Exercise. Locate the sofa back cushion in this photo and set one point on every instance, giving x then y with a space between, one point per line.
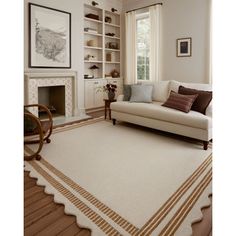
127 92
174 86
202 101
160 90
141 93
180 102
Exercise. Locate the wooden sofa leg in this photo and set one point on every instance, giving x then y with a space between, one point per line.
114 121
205 145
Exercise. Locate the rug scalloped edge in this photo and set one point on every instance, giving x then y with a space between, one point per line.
40 181
67 210
198 212
202 208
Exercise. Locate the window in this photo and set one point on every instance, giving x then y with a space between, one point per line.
143 45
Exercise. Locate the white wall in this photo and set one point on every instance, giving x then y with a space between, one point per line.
182 18
75 7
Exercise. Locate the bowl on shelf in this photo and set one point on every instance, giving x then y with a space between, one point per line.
92 43
108 19
112 45
115 73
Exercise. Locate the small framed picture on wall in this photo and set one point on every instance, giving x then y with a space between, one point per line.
184 47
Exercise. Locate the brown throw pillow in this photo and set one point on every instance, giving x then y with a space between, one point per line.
180 102
202 101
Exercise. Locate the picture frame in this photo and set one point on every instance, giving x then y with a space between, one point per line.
49 37
184 47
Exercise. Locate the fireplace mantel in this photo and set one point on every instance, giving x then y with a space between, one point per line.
34 80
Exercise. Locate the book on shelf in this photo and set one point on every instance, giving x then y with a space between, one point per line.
90 30
88 76
92 16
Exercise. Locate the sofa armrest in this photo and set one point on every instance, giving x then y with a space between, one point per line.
209 110
120 97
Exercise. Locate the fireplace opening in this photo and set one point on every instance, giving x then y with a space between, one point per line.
54 98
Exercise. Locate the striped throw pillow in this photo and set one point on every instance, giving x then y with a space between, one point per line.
202 101
180 102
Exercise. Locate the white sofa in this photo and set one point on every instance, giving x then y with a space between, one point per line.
153 115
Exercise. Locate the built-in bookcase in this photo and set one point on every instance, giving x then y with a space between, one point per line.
102 35
102 51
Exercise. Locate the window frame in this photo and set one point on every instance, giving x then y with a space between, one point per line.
140 16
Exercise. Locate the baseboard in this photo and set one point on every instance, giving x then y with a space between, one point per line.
94 109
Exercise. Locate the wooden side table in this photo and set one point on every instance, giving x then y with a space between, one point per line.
107 107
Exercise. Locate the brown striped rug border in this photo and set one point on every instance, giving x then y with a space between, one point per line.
77 125
185 208
156 219
72 123
127 226
88 212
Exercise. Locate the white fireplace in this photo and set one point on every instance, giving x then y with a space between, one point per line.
35 82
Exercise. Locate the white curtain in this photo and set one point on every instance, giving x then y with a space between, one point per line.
155 53
131 54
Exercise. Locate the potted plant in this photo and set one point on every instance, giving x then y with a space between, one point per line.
110 89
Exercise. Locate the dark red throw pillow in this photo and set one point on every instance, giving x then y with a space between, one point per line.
180 102
202 101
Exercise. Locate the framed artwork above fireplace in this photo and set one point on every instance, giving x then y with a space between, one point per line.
49 37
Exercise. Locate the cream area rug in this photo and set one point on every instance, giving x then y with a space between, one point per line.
124 180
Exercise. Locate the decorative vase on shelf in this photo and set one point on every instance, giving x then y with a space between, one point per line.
111 95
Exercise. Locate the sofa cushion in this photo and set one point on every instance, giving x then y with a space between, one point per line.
141 93
155 111
180 102
202 101
127 92
174 85
160 91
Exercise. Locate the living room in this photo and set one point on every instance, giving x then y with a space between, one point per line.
147 169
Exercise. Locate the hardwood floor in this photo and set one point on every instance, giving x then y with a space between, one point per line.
42 216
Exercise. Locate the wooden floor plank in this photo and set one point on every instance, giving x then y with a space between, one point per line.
29 184
26 175
57 226
83 233
28 179
30 192
37 205
36 215
44 222
39 216
73 229
35 198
